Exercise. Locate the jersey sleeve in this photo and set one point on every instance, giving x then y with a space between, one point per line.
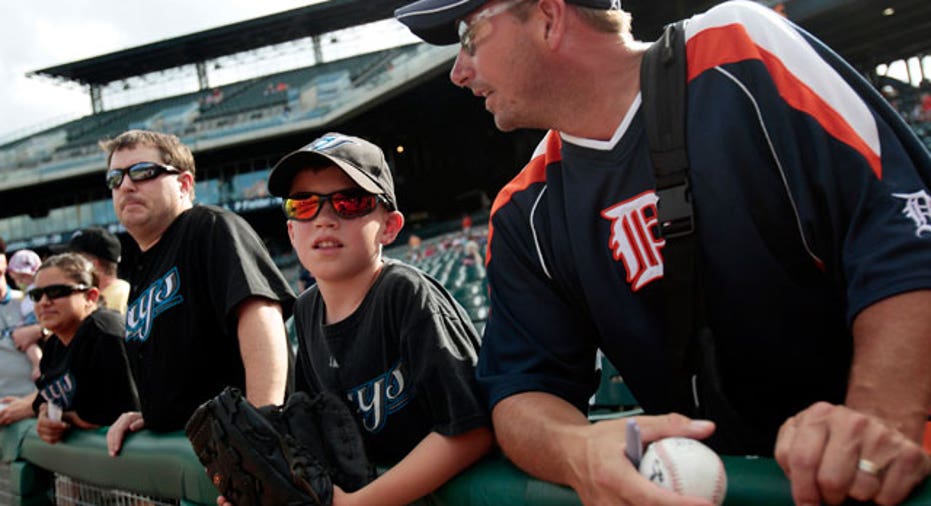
852 174
439 344
303 368
109 390
534 340
241 267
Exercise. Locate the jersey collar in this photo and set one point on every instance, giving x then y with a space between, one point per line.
609 144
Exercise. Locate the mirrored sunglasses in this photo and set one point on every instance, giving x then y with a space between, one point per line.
347 204
55 291
142 171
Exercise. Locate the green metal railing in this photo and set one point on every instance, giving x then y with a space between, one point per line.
164 466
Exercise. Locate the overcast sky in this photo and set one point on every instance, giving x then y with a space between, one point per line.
42 33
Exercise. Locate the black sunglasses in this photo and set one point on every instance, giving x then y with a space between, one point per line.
55 291
142 171
347 204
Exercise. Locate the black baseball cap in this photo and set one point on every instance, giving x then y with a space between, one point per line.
361 160
94 241
434 21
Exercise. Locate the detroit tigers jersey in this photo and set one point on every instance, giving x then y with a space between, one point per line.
809 204
404 361
181 322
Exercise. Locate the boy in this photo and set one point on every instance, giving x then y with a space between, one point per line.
379 333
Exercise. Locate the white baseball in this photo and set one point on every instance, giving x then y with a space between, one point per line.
687 467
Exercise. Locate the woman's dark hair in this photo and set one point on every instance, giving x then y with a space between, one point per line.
74 266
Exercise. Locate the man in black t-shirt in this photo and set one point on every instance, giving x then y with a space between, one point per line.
207 303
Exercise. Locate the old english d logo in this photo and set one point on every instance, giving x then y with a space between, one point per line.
918 209
635 238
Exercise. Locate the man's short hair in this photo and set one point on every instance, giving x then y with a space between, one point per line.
172 150
608 21
104 266
602 20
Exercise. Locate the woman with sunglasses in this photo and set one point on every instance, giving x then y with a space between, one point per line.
85 380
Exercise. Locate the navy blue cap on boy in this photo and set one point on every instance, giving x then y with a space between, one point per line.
434 21
361 160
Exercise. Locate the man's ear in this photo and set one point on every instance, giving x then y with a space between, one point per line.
187 182
553 14
394 222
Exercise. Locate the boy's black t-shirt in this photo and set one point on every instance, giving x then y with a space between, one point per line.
91 374
404 361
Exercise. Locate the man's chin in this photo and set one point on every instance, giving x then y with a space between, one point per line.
131 219
504 124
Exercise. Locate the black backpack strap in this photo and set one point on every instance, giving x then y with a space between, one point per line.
696 388
663 91
662 88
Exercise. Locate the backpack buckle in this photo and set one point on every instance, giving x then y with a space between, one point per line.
674 210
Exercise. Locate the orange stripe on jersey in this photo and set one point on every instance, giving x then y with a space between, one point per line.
731 43
533 172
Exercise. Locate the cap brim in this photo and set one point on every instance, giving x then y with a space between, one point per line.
434 21
279 181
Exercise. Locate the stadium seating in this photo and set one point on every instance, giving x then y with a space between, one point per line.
244 101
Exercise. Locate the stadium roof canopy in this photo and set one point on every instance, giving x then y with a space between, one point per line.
858 29
868 32
316 19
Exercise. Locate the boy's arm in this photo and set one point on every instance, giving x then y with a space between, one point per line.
27 335
433 462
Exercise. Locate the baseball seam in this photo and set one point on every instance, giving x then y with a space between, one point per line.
670 465
719 485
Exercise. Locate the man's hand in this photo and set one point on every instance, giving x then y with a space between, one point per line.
127 422
49 430
610 478
18 408
830 453
552 440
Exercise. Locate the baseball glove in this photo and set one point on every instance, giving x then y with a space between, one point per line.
249 461
327 430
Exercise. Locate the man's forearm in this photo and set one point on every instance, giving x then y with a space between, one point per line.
263 345
890 377
538 432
